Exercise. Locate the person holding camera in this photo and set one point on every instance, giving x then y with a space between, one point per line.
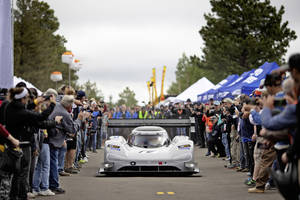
18 121
57 137
267 153
288 182
40 173
198 113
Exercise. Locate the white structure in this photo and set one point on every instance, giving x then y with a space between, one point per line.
201 86
29 85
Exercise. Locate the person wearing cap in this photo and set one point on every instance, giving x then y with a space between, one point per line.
58 136
41 163
80 97
268 156
293 152
17 120
74 146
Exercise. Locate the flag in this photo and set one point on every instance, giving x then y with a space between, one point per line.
6 45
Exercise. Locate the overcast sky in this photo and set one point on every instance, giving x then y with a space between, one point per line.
119 42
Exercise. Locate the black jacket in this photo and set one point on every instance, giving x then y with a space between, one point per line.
182 115
293 151
19 119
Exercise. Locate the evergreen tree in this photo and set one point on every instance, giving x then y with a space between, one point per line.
91 90
187 73
127 97
241 35
37 49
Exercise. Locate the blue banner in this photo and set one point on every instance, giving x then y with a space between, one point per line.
6 45
254 82
248 82
204 97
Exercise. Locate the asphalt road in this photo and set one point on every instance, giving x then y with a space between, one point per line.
214 182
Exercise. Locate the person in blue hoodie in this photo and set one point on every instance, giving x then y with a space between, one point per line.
247 130
287 119
117 113
94 127
124 113
268 154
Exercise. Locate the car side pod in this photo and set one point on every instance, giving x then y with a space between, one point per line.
192 166
106 167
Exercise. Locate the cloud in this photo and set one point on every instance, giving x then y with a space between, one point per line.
119 42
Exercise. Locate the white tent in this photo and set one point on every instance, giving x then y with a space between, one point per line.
166 102
29 85
201 86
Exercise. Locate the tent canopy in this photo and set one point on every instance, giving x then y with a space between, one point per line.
228 90
201 86
267 69
29 85
249 81
212 92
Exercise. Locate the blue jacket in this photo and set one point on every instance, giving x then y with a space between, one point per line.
135 115
247 129
256 117
286 119
116 115
94 120
127 115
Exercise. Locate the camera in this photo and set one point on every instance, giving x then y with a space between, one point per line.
3 93
254 102
273 80
280 102
47 97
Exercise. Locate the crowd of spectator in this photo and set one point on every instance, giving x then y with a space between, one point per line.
54 132
260 132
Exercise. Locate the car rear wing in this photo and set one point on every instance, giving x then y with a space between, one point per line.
124 127
132 123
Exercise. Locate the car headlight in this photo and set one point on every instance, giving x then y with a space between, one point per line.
189 165
108 165
186 146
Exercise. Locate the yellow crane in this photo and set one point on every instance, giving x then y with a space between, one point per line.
152 85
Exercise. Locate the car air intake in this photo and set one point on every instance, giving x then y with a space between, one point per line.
148 169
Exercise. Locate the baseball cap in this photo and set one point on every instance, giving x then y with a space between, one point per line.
51 91
80 94
216 103
228 100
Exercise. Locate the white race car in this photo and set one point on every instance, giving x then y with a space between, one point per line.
149 150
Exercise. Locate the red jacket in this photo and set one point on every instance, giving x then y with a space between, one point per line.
3 131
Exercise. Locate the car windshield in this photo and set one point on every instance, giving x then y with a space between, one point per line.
147 141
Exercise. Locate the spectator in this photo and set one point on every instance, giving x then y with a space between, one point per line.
17 118
57 137
40 182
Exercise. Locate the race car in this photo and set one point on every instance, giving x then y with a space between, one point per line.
149 149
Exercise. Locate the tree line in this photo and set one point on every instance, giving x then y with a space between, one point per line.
239 35
38 49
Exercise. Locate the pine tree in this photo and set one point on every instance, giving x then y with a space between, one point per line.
127 97
37 49
241 35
